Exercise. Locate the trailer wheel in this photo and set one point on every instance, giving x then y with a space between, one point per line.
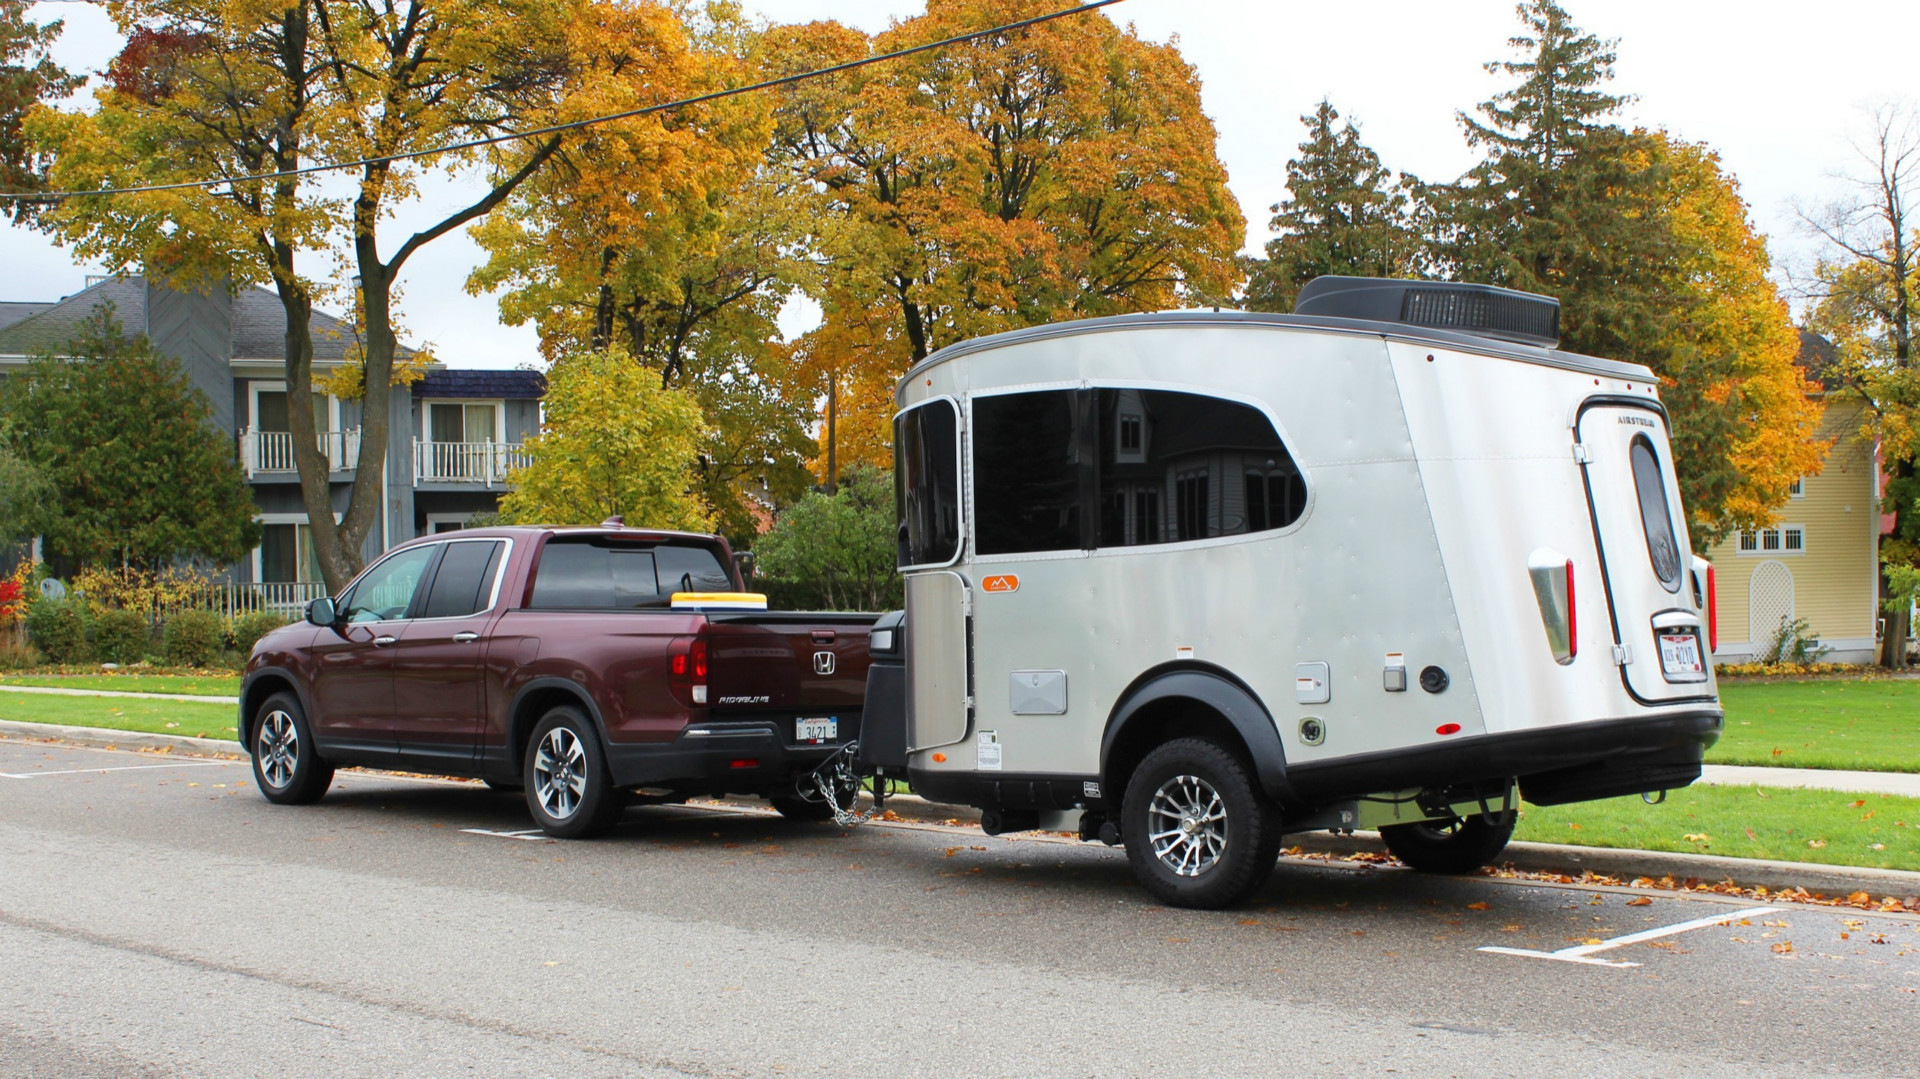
1197 829
1459 846
569 790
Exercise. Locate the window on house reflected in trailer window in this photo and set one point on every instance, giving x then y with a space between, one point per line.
1027 460
1075 469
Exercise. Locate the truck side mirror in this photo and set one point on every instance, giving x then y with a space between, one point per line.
321 612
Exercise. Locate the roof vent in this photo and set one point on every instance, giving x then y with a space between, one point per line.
1442 305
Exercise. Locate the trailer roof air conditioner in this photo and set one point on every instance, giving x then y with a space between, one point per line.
1442 305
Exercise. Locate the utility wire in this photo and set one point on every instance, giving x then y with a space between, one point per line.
555 129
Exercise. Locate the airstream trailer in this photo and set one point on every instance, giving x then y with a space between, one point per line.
1189 582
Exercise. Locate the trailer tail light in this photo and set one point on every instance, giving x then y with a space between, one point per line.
1713 612
1552 576
687 669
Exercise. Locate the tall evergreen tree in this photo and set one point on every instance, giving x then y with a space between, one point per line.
1649 249
1344 214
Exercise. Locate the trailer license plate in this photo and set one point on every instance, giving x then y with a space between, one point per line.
816 730
1680 654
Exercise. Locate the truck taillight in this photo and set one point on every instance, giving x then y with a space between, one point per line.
687 669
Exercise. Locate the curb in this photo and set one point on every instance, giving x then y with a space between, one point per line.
109 738
1624 863
1526 857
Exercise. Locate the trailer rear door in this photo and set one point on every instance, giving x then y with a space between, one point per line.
1640 532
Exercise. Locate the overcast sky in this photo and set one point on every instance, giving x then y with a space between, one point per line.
1777 89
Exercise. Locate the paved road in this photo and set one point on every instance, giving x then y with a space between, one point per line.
157 917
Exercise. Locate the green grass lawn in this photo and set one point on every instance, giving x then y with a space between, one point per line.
1743 822
212 685
122 713
1869 725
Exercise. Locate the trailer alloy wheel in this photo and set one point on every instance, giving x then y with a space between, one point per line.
1456 846
569 791
286 764
1198 830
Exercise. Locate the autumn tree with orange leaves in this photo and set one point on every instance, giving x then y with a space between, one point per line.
1061 171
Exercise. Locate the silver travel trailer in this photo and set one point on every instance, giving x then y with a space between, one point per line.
1191 581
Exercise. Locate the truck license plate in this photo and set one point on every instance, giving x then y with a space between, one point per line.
1680 654
816 730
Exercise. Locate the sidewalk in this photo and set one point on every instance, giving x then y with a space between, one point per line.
62 692
1906 784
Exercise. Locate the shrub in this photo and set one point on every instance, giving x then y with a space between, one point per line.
19 656
58 627
249 628
193 638
122 636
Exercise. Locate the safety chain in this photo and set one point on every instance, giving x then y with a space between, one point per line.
835 771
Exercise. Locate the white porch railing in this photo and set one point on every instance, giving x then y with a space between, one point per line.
466 462
272 451
282 597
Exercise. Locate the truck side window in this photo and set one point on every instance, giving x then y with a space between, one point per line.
1027 455
1655 518
1180 466
927 483
386 592
463 583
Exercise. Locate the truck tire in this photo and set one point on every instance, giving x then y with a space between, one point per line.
1199 832
1461 846
569 791
286 764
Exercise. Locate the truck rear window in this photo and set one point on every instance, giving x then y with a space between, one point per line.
595 573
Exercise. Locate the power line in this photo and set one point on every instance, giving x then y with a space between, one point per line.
555 129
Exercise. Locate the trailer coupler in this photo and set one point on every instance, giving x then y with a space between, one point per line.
836 780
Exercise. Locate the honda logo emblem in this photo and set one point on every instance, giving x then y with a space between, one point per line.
823 663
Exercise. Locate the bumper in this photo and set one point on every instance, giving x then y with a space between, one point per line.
713 756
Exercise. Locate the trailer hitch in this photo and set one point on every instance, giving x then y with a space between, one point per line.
835 775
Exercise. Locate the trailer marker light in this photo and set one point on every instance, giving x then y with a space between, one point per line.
746 762
939 758
1447 728
1713 612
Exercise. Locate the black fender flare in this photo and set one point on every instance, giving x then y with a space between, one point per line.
553 682
244 728
1219 691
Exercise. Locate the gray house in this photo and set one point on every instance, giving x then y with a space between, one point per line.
454 436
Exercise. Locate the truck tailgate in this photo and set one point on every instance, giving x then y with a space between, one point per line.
787 664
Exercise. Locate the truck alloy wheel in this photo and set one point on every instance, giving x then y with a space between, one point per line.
286 765
1198 832
569 791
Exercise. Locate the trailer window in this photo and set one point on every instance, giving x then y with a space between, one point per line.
1212 467
926 484
1027 461
1655 519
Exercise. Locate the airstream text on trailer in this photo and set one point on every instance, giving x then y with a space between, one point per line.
1193 581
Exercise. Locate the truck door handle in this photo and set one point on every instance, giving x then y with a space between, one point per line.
465 638
382 642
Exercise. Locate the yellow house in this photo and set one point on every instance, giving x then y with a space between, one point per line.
1819 562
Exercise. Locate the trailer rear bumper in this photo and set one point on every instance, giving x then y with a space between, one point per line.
1573 762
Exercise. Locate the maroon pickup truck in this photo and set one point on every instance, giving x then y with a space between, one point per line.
594 668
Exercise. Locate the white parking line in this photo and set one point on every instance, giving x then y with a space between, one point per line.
115 768
533 834
1580 952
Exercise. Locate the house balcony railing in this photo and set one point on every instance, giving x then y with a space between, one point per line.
289 598
272 451
466 462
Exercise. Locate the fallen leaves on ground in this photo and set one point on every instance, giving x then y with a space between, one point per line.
1640 901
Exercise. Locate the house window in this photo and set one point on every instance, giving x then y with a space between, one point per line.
1190 496
1785 539
464 421
271 411
1798 489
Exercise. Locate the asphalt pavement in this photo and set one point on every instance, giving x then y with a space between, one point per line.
159 918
